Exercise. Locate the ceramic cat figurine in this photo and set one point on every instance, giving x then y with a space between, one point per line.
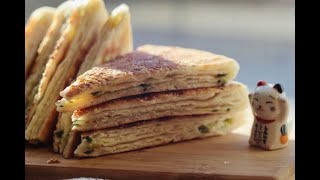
270 108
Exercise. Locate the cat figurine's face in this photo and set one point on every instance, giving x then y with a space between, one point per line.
265 100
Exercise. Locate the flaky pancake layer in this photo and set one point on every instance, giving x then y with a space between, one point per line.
147 71
35 29
76 40
157 132
115 38
61 133
45 49
215 100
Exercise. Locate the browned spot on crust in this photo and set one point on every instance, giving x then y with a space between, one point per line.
126 65
147 60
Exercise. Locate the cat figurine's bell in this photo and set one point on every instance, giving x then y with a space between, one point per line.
270 109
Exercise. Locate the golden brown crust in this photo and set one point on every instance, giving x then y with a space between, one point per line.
120 67
145 62
184 56
115 38
88 13
36 28
46 47
48 121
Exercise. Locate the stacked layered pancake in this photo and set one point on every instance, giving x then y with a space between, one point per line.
115 38
152 96
61 44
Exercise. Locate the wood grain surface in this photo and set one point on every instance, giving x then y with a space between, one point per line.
225 157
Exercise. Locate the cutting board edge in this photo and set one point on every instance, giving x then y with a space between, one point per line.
55 172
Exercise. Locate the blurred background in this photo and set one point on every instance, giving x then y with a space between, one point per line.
259 34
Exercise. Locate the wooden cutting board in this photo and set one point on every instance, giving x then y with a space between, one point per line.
225 157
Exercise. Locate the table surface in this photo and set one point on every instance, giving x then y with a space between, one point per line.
228 157
224 157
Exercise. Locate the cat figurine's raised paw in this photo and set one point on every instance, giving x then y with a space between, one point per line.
270 109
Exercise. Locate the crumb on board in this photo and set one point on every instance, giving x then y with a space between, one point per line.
52 160
226 162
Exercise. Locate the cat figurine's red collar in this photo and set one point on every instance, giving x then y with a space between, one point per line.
264 121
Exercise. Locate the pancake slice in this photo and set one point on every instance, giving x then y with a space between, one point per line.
157 132
35 29
73 141
115 38
61 133
216 100
78 37
45 49
142 72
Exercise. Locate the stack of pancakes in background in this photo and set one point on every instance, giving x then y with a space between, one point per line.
153 96
60 44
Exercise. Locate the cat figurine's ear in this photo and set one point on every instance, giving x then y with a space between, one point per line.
278 87
262 83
